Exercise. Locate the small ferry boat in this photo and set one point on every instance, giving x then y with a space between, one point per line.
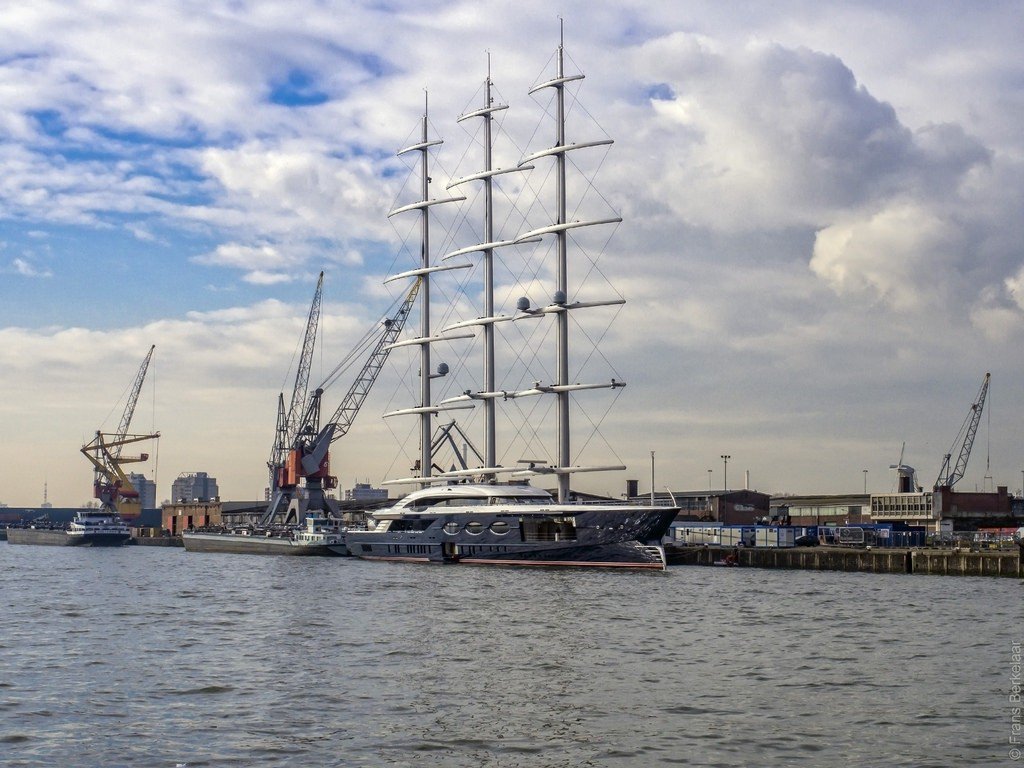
89 528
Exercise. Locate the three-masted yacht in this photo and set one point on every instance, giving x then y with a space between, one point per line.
473 516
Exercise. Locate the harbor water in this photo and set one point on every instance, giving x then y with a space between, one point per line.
141 656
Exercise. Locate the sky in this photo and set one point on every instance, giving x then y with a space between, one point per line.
820 248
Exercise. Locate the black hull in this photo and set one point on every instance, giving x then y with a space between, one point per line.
624 555
603 540
61 538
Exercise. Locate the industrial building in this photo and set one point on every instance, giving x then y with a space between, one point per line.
940 511
366 492
837 509
740 507
178 516
194 486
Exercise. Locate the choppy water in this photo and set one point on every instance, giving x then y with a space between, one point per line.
157 657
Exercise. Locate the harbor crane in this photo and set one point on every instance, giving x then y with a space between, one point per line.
287 421
948 478
111 485
304 449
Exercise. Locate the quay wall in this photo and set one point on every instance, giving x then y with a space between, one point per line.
156 541
935 562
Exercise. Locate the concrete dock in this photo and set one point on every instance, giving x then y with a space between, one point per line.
156 541
944 562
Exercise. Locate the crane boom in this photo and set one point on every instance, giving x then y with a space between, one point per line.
969 429
110 483
298 404
346 412
287 425
133 398
305 455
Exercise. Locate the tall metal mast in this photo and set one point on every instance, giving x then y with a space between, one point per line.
425 410
561 289
490 436
425 416
560 306
486 249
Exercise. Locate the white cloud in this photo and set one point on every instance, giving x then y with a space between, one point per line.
26 269
247 257
1015 285
212 383
819 226
260 277
898 255
300 190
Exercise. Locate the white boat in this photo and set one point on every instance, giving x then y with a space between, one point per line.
89 528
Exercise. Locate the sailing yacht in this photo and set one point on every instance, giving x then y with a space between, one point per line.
471 516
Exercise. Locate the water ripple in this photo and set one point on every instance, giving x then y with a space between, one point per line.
250 664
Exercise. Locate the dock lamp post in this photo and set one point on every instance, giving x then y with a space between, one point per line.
725 471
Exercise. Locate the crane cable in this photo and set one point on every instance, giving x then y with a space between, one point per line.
356 353
152 431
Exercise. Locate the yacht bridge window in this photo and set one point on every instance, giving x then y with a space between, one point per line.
410 524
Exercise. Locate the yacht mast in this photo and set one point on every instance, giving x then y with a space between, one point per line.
561 288
425 410
490 436
425 416
487 247
560 306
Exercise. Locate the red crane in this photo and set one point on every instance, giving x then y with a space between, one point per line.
306 447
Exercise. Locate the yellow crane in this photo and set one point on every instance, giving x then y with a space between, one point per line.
110 483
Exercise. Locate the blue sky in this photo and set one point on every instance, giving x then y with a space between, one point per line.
821 246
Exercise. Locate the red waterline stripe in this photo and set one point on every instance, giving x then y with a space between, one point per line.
583 563
476 561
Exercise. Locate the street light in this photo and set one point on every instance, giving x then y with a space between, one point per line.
865 481
725 471
709 482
